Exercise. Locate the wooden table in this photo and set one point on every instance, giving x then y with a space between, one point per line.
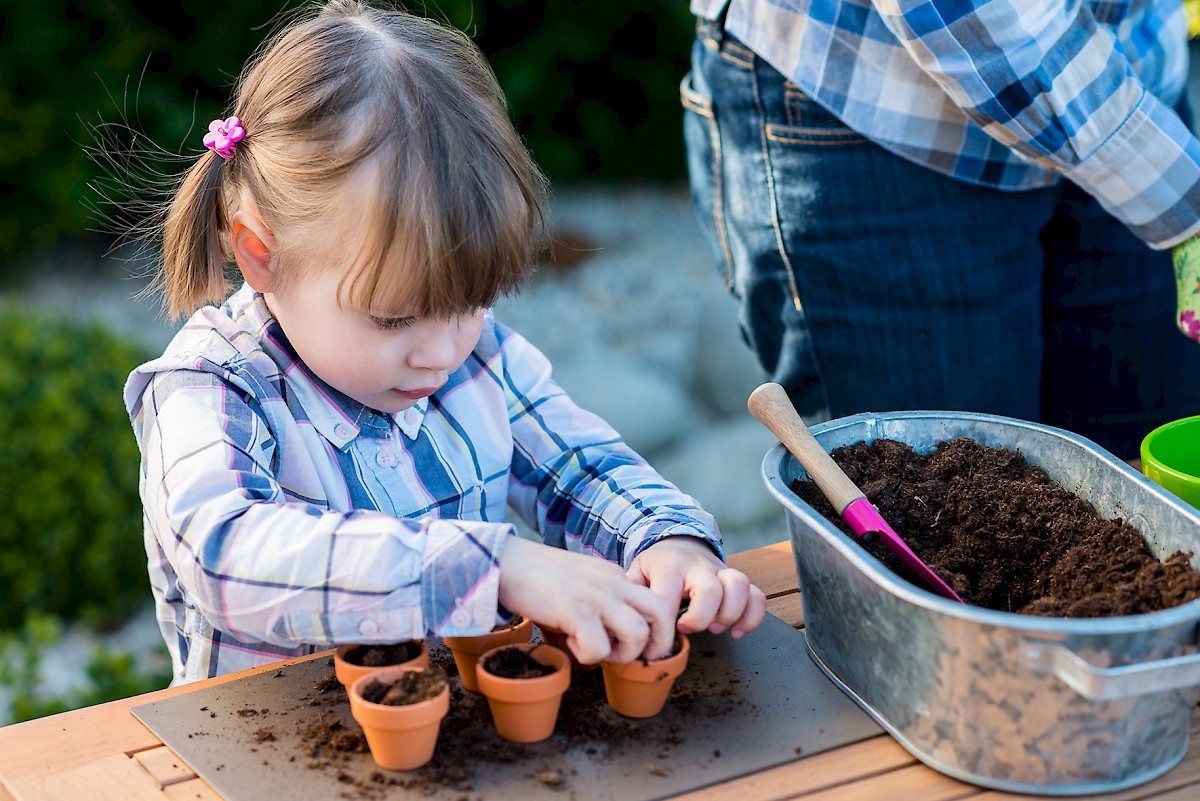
102 753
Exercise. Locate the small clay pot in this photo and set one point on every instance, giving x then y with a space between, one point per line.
348 672
639 689
526 710
467 650
401 737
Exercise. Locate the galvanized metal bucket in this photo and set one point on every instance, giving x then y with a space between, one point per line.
1053 706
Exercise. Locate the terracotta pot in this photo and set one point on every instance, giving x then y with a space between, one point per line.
466 650
639 689
526 710
400 737
348 672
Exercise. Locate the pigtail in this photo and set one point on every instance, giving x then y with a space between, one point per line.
194 234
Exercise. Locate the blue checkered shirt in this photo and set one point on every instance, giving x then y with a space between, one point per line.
282 517
1010 94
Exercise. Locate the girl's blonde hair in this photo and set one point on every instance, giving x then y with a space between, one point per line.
409 110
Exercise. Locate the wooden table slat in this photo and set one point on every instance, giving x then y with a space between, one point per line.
818 772
914 783
112 777
787 608
772 574
164 766
194 790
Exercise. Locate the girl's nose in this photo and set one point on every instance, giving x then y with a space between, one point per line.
436 347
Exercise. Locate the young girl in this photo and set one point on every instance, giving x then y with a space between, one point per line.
327 456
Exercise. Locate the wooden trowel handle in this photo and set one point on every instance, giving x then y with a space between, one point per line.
771 405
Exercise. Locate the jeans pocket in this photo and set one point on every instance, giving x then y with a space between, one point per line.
809 123
705 176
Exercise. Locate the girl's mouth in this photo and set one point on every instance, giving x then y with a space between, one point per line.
417 394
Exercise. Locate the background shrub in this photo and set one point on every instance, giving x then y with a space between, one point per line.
70 535
593 87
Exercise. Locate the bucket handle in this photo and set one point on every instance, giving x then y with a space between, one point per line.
1106 684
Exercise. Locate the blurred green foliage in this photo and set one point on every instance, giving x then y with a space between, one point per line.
592 87
109 674
70 535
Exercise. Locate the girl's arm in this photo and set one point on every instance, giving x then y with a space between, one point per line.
575 480
265 564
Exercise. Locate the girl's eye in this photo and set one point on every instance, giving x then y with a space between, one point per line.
389 323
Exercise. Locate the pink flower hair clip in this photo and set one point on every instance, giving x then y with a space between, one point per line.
223 136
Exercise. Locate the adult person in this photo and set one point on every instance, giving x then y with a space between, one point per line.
953 205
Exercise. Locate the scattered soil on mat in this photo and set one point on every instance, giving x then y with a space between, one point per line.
587 729
383 655
1003 535
513 663
412 688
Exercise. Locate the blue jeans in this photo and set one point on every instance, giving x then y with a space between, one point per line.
866 282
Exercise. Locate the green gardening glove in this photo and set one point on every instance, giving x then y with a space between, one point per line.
1186 256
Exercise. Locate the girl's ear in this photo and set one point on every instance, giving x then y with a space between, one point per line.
253 247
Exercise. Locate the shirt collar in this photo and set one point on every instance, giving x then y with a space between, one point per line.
338 417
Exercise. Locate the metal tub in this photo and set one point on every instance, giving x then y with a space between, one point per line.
1055 706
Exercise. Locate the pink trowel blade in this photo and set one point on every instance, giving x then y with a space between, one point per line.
770 404
862 517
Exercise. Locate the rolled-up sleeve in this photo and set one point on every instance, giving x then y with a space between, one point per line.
1050 82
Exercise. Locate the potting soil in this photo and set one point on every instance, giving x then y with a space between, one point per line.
1003 535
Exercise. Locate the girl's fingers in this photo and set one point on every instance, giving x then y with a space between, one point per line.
735 593
628 632
752 616
590 642
659 615
704 601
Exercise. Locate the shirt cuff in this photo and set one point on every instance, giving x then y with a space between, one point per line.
460 576
1147 175
656 530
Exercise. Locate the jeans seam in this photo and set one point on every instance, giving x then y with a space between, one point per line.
813 136
770 176
718 165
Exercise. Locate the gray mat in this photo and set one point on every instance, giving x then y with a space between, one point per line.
740 707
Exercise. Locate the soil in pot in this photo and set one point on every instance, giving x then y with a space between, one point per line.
524 685
413 687
352 662
1003 535
467 650
515 663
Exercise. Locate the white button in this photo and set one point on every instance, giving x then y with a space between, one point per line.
386 459
412 415
460 618
343 430
368 628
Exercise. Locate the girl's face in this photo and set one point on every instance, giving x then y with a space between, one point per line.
387 364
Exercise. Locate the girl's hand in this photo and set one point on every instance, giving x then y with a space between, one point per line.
719 598
603 613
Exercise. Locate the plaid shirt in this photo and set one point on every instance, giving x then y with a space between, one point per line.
282 517
1010 94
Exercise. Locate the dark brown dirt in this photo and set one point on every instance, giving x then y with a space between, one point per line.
513 663
1003 536
383 655
411 688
